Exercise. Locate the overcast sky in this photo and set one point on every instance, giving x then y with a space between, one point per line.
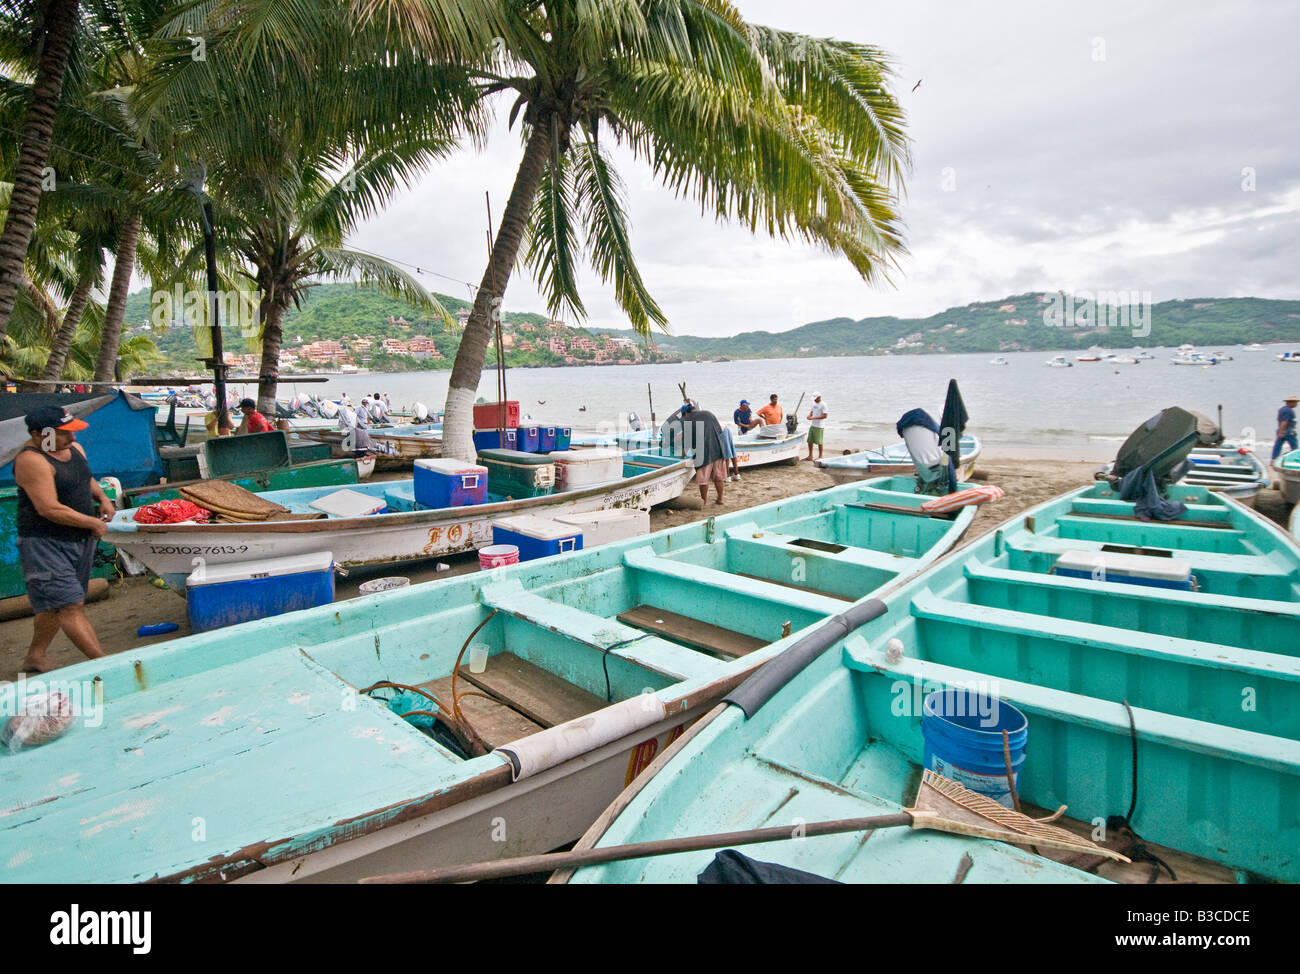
1096 146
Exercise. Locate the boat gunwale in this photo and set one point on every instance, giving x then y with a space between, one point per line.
394 518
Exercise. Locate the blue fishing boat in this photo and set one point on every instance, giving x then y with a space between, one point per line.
337 742
1157 664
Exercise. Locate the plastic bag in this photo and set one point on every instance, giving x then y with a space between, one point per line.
171 512
41 718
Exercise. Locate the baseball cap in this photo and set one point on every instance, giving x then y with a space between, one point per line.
54 416
817 395
744 402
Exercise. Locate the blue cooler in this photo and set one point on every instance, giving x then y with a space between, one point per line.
547 439
563 437
223 595
529 437
1113 566
496 440
449 483
536 537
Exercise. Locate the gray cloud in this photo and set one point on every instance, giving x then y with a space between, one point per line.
1124 172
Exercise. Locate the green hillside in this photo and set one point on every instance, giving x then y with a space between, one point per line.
342 312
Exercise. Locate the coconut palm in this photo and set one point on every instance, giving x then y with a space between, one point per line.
41 33
794 135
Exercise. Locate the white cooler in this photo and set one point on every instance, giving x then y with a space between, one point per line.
583 468
602 527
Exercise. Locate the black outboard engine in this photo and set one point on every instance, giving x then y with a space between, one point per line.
1161 444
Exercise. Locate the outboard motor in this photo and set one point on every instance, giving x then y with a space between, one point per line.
1161 445
634 422
421 412
920 433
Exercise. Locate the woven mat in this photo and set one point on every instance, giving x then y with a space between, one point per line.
231 501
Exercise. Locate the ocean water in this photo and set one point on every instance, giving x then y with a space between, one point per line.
1023 408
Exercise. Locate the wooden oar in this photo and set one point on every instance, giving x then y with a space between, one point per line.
941 805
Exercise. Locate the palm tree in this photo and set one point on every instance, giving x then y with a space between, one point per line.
55 24
795 135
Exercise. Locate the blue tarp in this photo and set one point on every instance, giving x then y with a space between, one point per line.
121 440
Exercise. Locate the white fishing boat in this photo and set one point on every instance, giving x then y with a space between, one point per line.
405 532
1193 357
1289 356
999 361
894 460
1120 360
1230 470
1060 362
1254 347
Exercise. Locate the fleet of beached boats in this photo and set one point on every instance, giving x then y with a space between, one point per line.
1114 638
287 734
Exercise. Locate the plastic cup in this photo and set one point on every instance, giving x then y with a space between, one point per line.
478 657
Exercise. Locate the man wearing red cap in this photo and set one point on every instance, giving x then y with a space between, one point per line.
57 531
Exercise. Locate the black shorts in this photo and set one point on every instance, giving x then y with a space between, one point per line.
57 572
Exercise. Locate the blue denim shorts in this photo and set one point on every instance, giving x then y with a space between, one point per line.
57 572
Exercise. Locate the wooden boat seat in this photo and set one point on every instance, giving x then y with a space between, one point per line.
1191 537
1264 610
744 536
599 633
691 632
494 722
1195 513
537 693
1166 673
645 560
1252 566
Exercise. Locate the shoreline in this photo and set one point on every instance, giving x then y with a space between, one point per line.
134 601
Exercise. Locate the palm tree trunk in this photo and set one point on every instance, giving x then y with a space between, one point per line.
118 292
458 420
38 130
71 320
269 374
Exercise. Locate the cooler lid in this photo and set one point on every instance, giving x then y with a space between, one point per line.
514 456
592 455
450 467
1130 566
242 571
541 528
599 517
348 503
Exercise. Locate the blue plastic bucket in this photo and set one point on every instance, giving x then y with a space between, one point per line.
963 740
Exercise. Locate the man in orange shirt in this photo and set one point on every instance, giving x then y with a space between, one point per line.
772 414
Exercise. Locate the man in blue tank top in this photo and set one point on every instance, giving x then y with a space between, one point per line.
58 528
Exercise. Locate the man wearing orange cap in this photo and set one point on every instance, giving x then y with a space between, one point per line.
57 530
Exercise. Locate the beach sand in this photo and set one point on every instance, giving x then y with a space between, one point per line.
136 602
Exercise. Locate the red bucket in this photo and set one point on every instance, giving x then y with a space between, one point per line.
494 556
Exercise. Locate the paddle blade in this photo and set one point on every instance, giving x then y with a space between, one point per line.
946 806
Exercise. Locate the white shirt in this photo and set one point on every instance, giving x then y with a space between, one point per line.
818 415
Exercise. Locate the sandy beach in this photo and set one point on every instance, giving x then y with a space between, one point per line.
136 602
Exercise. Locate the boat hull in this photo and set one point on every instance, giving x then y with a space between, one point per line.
172 550
1288 472
878 463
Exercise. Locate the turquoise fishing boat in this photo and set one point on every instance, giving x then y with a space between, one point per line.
1157 708
266 752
